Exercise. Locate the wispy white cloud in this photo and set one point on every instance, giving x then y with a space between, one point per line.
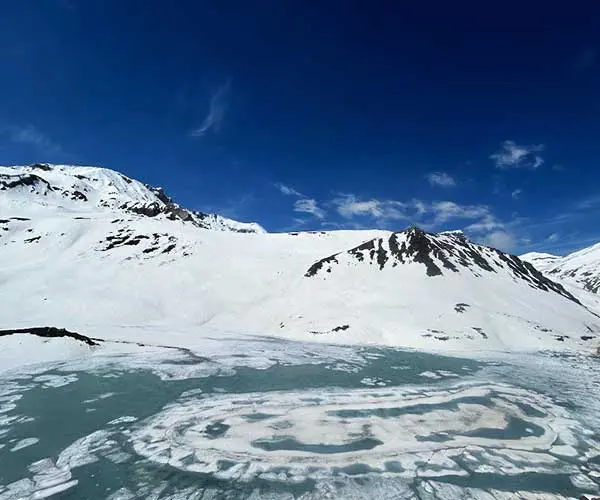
553 238
443 211
512 155
502 240
429 215
287 190
309 206
487 223
30 136
350 206
219 103
587 203
440 179
516 194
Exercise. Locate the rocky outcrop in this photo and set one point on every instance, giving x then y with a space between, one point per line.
51 332
26 180
439 254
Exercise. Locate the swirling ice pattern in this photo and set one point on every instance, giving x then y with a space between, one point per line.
292 436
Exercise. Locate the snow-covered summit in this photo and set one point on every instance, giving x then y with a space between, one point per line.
581 267
437 254
95 252
93 189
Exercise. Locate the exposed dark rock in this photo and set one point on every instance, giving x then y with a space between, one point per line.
461 307
126 179
78 195
340 328
12 181
41 166
169 248
175 212
51 332
452 252
592 284
20 218
148 209
480 331
317 266
160 194
333 330
32 240
587 337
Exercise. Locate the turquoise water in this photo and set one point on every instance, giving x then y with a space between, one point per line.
380 423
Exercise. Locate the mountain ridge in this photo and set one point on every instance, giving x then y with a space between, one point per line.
581 268
140 276
69 186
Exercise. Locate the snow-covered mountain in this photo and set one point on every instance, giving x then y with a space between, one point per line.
93 189
92 251
581 267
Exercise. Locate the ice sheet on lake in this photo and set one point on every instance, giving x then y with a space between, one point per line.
24 443
48 480
55 380
290 436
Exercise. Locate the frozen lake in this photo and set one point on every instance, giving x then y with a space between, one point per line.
282 420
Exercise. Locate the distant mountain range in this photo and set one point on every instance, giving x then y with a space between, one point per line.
581 268
91 250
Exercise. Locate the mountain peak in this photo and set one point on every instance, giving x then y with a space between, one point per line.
438 255
97 189
581 268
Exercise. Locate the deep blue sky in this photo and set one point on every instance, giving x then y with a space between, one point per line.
346 106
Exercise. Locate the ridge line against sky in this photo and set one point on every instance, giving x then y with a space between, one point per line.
337 115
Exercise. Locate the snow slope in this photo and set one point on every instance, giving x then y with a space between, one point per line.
540 260
126 263
578 272
92 189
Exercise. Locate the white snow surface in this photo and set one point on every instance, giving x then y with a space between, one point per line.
95 267
581 268
85 190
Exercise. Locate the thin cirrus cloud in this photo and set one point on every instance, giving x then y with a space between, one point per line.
303 204
516 194
288 190
486 224
349 206
502 240
588 203
512 155
217 109
309 206
485 227
427 214
29 135
441 179
358 212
